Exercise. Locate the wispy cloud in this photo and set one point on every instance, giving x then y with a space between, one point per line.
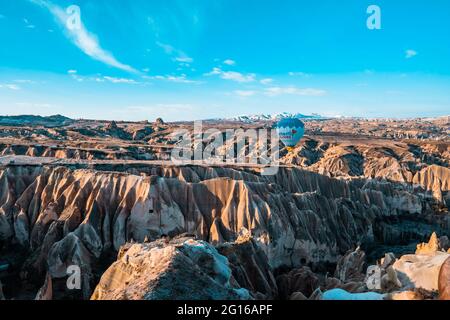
172 78
232 75
99 78
266 81
229 62
410 53
245 93
10 86
276 91
299 74
25 81
178 55
82 38
28 24
184 59
120 80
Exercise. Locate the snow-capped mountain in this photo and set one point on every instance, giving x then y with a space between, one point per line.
274 117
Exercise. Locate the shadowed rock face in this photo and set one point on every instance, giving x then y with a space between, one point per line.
250 267
296 217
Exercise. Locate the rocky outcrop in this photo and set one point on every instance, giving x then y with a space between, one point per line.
33 120
46 291
183 269
341 161
420 271
437 180
250 266
67 216
350 266
444 281
298 281
419 165
432 246
79 153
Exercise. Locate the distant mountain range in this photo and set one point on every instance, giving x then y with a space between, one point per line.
274 117
33 120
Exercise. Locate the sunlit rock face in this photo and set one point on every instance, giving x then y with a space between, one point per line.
444 280
420 270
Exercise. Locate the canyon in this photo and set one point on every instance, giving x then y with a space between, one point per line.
104 196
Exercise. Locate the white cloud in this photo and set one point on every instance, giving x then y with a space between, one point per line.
410 53
238 77
215 71
171 78
232 75
99 78
266 81
229 62
185 60
25 81
28 24
245 93
298 74
10 86
119 80
82 38
276 91
180 56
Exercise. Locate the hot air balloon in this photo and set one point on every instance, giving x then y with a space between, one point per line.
290 131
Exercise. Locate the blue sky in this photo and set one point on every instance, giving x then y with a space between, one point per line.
196 59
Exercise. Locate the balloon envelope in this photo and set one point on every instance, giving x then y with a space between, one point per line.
290 131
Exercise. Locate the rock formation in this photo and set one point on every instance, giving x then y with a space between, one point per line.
432 246
46 291
77 193
296 217
298 281
420 271
250 267
444 280
181 269
350 266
